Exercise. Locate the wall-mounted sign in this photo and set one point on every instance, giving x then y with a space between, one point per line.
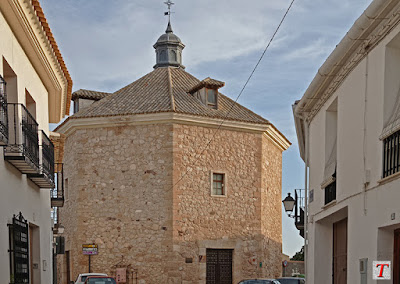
89 249
121 275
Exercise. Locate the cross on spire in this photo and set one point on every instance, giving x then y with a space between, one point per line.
169 3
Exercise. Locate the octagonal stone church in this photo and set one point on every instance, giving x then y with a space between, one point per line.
162 203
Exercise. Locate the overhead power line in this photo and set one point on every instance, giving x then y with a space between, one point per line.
240 93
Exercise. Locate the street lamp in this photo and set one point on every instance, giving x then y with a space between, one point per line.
288 203
294 204
60 229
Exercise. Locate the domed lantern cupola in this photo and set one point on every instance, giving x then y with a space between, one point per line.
169 47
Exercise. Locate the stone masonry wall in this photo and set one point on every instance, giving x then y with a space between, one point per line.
271 217
119 181
127 194
203 221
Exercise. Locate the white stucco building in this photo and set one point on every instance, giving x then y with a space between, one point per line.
348 127
35 89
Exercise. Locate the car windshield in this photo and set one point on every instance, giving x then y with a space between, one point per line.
100 280
256 282
291 281
84 277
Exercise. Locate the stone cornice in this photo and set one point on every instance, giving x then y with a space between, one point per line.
71 125
31 35
277 138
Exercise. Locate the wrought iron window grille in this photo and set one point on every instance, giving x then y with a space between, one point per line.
19 250
391 154
330 192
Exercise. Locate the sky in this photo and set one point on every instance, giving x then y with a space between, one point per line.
109 44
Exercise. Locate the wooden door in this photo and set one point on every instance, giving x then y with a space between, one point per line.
68 260
396 257
219 266
340 252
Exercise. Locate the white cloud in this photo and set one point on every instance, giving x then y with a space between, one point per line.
314 50
108 44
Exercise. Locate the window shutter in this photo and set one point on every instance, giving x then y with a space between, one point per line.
330 165
392 124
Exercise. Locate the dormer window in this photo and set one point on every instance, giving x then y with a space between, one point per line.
212 98
206 92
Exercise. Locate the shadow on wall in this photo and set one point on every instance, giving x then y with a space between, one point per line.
187 261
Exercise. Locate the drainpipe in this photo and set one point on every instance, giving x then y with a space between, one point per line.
306 162
302 119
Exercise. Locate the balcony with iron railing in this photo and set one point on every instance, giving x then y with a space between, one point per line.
45 178
22 150
57 193
3 113
299 211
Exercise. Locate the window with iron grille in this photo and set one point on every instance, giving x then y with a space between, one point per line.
218 184
19 250
391 154
330 192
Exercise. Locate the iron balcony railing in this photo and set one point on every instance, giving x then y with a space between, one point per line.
57 193
3 113
23 141
299 210
47 164
45 178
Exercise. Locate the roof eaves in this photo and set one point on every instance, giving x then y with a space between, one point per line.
43 21
89 94
355 45
207 82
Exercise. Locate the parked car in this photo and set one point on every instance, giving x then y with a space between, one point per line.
82 277
291 280
259 281
100 280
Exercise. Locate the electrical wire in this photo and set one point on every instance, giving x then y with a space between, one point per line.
240 93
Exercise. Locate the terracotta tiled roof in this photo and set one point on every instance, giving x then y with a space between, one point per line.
165 90
50 37
88 94
207 82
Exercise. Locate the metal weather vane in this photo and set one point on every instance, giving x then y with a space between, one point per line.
169 3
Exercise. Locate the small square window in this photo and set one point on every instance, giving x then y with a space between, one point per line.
218 184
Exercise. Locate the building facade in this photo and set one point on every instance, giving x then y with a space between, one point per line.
161 201
35 89
348 131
